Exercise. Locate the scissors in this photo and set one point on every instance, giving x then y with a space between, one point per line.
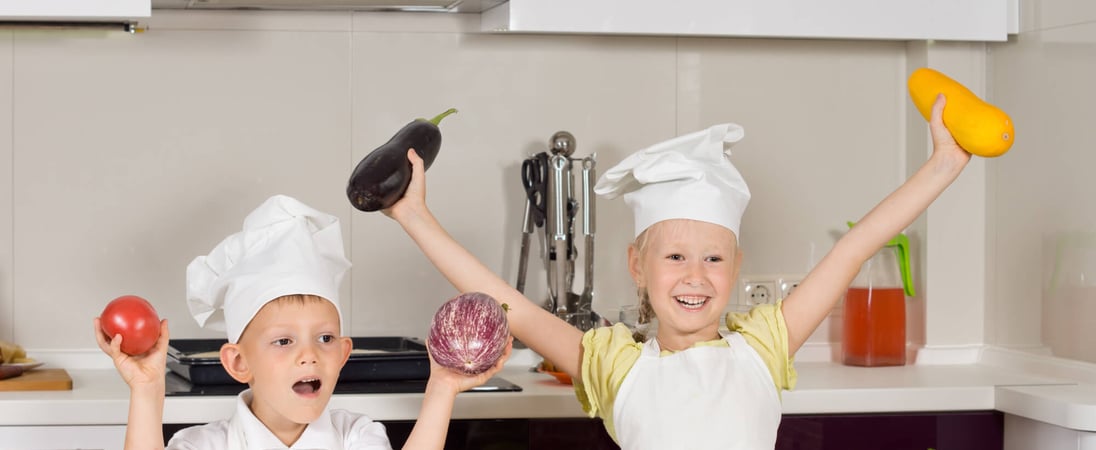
534 177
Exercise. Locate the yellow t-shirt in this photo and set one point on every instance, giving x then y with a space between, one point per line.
610 352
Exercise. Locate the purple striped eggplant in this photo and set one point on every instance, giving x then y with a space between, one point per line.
469 333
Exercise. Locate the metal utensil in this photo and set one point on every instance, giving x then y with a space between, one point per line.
523 259
588 225
557 230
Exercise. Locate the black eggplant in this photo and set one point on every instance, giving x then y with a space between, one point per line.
381 178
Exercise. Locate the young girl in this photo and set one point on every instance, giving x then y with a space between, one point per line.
273 287
689 387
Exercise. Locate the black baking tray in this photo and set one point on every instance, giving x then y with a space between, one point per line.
178 387
376 358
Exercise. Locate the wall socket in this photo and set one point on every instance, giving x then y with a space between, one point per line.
787 285
759 291
762 289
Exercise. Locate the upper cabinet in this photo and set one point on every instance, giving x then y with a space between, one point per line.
952 20
62 11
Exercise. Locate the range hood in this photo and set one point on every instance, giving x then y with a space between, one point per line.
457 6
123 14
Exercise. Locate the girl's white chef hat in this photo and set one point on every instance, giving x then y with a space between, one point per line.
285 248
687 177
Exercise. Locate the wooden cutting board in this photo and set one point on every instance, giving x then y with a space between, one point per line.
39 380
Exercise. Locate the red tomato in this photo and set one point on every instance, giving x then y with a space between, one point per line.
135 319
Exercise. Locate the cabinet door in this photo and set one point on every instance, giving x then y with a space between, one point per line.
554 434
60 437
980 430
515 434
482 434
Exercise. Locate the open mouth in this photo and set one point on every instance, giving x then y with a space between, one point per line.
691 302
307 386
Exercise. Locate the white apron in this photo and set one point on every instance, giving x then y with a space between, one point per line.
697 399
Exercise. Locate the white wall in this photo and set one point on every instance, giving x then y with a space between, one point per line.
130 155
7 261
1043 191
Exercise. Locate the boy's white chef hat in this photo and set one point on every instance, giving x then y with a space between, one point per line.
285 247
687 177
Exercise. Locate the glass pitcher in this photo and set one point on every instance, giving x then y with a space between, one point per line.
1069 295
875 308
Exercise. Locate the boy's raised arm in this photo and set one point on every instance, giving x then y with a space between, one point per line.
546 334
437 404
145 376
820 290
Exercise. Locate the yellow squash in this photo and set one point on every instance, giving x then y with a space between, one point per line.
978 127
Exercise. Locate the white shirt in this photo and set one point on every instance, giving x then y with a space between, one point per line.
334 429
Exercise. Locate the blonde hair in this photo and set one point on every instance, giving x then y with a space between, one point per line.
299 299
646 311
293 299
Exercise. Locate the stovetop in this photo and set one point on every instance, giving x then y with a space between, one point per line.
179 386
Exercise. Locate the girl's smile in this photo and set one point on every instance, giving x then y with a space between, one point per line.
692 302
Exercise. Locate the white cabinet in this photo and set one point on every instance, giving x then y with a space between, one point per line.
1026 434
961 20
62 437
64 10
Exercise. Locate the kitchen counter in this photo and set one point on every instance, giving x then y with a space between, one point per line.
99 397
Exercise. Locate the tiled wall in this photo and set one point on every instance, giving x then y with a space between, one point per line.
1044 194
131 155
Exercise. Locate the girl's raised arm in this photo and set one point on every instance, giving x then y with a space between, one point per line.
548 335
820 290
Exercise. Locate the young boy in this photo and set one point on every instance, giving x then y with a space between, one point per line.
273 287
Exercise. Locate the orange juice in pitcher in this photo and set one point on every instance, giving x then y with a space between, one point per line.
874 330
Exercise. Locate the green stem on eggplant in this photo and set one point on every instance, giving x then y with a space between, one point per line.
437 119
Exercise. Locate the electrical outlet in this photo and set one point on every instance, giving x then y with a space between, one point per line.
786 284
759 291
771 288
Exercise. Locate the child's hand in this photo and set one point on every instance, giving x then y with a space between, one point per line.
146 370
455 381
942 141
414 199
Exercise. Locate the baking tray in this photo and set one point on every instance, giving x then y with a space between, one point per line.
178 387
376 358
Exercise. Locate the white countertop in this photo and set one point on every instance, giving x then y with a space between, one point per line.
99 397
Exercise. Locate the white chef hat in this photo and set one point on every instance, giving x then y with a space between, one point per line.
687 177
285 248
